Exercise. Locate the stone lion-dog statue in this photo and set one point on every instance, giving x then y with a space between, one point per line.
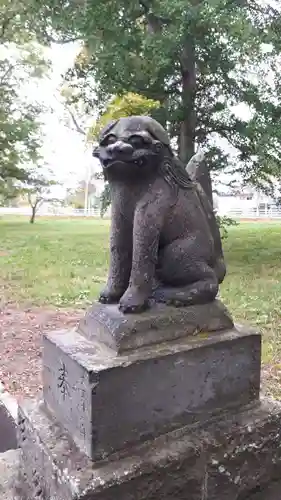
165 243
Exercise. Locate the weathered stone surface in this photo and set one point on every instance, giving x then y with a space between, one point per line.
9 462
8 440
224 460
107 324
269 492
9 454
108 401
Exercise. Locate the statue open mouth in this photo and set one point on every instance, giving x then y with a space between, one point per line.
110 162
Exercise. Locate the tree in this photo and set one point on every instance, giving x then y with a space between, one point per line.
121 106
16 22
38 190
77 197
199 58
21 61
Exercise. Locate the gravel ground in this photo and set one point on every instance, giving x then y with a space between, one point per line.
20 345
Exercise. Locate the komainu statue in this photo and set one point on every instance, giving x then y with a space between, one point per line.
165 243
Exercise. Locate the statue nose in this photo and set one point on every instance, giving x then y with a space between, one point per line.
120 147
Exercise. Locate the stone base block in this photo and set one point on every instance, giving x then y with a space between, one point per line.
231 458
122 332
8 429
270 492
108 401
9 463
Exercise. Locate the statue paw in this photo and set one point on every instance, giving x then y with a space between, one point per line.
110 296
133 301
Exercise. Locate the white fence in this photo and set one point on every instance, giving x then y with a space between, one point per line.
251 213
234 213
52 211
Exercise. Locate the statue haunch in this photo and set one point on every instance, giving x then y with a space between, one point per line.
165 243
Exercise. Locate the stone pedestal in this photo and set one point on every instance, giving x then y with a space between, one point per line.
8 431
108 401
229 458
160 405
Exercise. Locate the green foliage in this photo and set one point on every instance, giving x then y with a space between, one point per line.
37 189
198 59
21 61
122 106
15 21
225 223
76 197
105 200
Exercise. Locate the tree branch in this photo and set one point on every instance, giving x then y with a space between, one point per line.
144 6
30 200
10 68
154 23
39 202
62 41
79 129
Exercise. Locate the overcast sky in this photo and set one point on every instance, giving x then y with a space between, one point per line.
64 150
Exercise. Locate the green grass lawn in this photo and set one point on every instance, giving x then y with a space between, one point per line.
252 288
61 262
64 263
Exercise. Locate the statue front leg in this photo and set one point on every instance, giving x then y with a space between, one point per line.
120 261
147 226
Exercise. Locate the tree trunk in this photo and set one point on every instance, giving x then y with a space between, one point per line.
186 139
161 115
32 218
188 124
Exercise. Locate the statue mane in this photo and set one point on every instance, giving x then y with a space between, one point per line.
174 172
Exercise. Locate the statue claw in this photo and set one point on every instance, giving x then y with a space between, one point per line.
133 301
109 296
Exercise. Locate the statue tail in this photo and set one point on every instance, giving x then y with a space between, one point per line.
199 173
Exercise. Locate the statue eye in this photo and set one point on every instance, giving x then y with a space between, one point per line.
110 139
137 141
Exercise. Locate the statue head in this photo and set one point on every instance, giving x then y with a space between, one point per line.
132 146
138 147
